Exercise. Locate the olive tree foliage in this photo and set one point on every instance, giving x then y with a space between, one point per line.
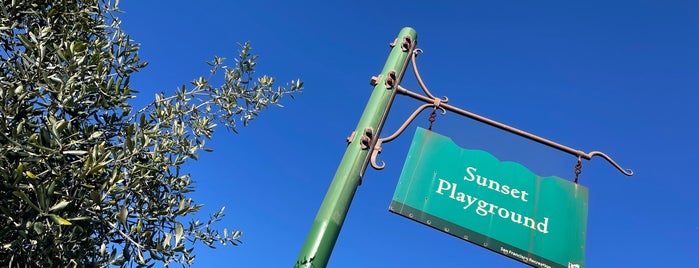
85 179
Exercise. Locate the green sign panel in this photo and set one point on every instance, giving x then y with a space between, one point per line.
499 205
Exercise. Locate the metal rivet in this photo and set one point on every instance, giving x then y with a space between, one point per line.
375 80
391 79
393 44
407 43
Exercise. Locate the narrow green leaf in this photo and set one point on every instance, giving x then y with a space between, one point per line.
140 256
166 240
75 152
59 220
139 226
123 213
143 119
79 218
25 198
31 175
28 45
59 205
236 234
178 233
95 135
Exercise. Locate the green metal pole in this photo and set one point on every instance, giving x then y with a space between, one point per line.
331 215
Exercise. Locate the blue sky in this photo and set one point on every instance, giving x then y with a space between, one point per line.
616 76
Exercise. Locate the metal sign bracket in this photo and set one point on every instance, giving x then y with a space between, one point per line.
441 104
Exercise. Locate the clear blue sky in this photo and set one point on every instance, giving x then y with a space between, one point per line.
615 76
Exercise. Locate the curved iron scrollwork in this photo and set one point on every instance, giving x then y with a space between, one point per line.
377 146
627 172
436 104
441 104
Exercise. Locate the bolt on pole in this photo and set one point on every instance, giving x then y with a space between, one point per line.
331 215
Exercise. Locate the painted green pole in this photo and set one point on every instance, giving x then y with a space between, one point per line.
331 215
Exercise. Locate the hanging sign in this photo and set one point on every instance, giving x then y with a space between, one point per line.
499 205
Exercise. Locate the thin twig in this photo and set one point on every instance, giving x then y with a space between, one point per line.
125 235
